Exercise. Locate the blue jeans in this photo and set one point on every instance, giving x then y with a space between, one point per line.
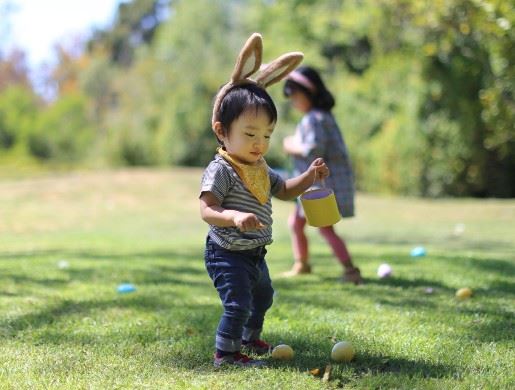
244 286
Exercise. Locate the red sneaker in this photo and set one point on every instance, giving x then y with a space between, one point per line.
237 359
259 347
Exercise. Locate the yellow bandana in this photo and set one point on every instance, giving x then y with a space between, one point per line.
254 177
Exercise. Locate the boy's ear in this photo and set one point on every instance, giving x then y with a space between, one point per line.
219 130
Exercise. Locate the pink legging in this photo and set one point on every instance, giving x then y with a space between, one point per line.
297 224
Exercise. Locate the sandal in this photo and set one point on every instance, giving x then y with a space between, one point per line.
298 269
352 275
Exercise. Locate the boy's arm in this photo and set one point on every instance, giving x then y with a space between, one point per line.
214 214
297 185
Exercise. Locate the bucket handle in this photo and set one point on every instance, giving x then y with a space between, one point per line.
322 181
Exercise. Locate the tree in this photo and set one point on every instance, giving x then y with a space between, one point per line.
449 117
135 25
468 108
192 67
14 70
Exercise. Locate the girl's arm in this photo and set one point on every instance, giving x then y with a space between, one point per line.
295 186
214 214
312 143
292 146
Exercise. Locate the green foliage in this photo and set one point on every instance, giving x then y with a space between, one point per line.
378 116
469 107
18 112
192 66
130 145
96 84
425 92
130 148
62 132
6 137
135 25
131 120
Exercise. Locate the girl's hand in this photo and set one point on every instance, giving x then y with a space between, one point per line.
289 143
319 169
247 222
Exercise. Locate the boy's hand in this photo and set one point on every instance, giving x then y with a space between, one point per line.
247 222
319 169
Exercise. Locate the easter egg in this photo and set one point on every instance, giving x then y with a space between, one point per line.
384 271
126 288
464 293
418 251
343 352
283 352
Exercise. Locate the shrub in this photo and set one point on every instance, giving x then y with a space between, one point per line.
63 132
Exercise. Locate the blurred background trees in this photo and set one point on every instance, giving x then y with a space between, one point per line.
424 89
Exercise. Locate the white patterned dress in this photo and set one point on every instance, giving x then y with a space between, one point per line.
320 136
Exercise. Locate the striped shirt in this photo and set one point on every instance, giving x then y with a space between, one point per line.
223 182
320 136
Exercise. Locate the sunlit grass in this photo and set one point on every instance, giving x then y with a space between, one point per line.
67 241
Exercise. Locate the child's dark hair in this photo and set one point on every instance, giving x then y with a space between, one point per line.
311 84
242 98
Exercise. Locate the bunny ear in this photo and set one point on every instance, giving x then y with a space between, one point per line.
247 63
249 59
279 68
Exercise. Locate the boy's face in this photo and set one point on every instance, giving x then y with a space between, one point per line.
248 138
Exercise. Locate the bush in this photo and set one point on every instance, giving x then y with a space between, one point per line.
63 132
378 114
6 135
130 146
18 110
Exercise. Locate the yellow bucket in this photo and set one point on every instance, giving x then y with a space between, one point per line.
320 207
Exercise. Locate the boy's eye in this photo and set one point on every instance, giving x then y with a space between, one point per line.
267 136
249 134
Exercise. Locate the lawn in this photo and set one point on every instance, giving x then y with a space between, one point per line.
68 240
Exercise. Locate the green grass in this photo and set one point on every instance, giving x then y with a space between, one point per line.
68 327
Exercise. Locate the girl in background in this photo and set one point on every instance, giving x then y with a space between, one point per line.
318 135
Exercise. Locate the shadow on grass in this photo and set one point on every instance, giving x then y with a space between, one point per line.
489 265
391 291
146 270
309 354
484 324
394 291
64 310
492 324
419 284
163 275
502 287
102 255
370 364
200 320
8 294
140 267
456 243
498 268
24 279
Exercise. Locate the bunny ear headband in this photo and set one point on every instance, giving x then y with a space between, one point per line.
249 62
